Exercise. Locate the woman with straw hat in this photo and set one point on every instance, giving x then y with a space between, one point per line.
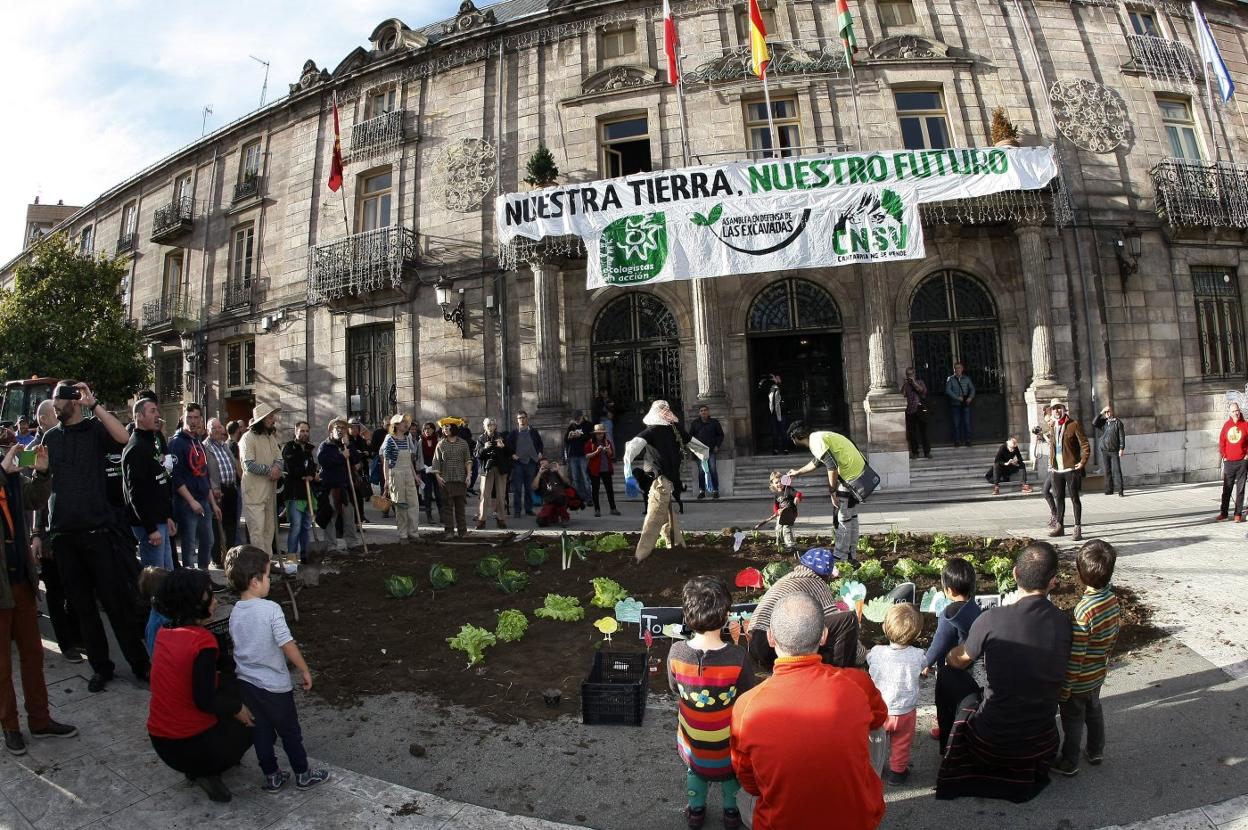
262 469
398 467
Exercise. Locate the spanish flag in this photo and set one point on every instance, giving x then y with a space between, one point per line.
759 56
335 164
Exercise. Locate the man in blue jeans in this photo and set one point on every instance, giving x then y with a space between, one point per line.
527 452
707 430
578 432
194 508
960 390
145 483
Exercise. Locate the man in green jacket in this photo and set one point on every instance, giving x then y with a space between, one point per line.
19 617
844 463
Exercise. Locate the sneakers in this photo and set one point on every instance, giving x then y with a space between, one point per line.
695 818
701 495
892 777
1239 517
714 496
14 743
309 779
1077 536
54 730
1057 530
1094 760
996 490
480 524
71 654
614 512
340 545
98 682
1064 767
597 513
273 783
1026 488
732 816
1221 517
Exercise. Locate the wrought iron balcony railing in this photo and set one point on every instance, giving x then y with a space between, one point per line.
377 134
248 188
238 293
1160 57
163 311
361 263
127 242
173 219
1198 194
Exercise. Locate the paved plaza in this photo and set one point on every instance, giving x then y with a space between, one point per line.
1175 719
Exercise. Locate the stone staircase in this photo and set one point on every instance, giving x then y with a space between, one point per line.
950 475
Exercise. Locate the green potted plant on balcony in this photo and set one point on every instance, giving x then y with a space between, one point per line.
542 170
1003 133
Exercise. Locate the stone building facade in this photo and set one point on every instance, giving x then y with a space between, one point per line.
1123 282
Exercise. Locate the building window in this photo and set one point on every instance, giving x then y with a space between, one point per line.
1219 323
743 23
380 102
251 161
173 275
896 13
182 188
86 242
1143 23
924 125
375 201
169 378
625 147
129 220
1176 116
240 364
240 262
788 129
618 41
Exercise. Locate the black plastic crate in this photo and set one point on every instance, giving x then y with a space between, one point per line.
616 690
225 643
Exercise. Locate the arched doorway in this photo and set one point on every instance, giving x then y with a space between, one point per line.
953 319
794 330
635 350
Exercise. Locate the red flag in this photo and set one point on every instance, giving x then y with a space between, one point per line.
335 166
670 43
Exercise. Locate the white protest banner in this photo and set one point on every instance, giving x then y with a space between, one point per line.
770 215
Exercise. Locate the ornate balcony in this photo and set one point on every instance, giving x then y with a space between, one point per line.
248 188
237 294
362 263
1159 57
1197 194
165 311
377 135
126 243
1028 207
173 220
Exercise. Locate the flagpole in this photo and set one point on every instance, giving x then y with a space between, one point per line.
1207 67
680 109
853 91
771 122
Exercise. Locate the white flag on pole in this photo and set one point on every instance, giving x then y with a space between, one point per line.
1210 56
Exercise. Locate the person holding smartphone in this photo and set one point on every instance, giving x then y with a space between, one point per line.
494 457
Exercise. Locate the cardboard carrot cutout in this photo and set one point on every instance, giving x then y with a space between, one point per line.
734 630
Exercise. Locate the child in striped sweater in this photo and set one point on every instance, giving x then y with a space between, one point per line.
1097 619
707 675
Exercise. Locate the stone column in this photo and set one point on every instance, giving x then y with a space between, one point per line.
1034 258
1033 254
885 405
708 340
546 279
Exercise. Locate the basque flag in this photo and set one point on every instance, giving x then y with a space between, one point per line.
670 44
335 166
759 56
1211 56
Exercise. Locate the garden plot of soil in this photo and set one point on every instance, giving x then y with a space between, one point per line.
362 642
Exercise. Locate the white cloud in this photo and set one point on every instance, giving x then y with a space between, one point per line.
101 90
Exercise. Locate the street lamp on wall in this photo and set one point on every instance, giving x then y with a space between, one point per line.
1129 249
443 291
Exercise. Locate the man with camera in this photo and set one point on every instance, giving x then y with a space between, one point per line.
85 541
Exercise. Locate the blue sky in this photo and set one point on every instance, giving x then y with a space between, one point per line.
104 89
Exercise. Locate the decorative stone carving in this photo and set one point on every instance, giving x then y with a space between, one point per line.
1092 116
908 48
467 168
394 34
310 76
618 77
468 18
786 59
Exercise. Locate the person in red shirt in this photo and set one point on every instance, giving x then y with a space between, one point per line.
1233 446
196 727
800 740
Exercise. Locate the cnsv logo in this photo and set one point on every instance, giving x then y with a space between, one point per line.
872 227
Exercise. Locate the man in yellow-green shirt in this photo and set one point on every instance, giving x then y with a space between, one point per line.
844 463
